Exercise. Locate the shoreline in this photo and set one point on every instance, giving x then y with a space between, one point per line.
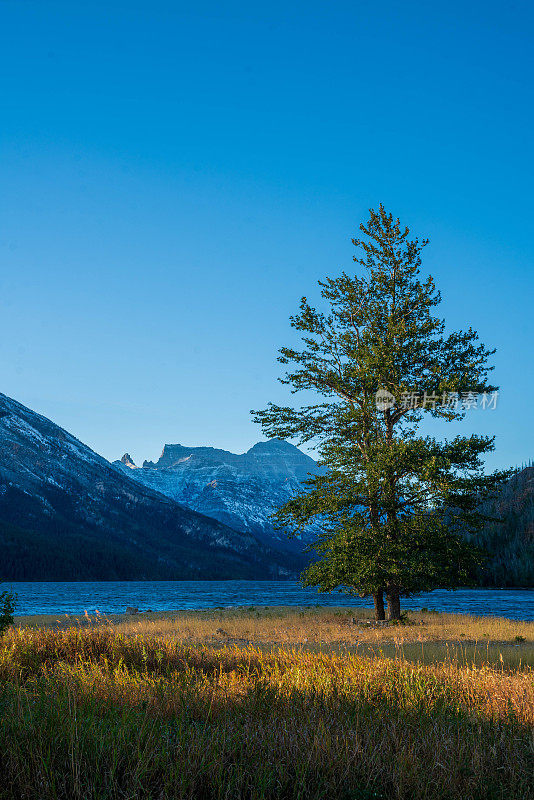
244 610
113 598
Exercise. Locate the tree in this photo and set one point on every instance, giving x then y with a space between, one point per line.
393 502
7 607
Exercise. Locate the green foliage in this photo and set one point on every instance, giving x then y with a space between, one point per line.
7 607
394 504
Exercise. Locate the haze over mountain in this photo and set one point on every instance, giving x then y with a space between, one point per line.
240 490
66 513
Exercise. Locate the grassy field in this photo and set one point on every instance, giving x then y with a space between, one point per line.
267 703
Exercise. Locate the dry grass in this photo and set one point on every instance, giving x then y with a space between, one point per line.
143 709
428 636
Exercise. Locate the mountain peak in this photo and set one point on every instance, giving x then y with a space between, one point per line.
241 490
128 461
273 446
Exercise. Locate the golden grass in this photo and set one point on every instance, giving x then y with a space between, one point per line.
429 637
118 711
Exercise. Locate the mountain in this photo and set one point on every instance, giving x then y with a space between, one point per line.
510 541
241 491
67 514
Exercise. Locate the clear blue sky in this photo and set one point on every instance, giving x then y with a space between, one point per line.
174 176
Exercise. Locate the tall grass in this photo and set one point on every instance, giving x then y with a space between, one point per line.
428 637
93 713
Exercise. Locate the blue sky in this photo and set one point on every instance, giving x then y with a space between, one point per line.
175 176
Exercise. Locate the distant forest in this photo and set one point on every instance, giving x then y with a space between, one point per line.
510 542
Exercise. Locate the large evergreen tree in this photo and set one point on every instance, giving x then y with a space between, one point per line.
393 503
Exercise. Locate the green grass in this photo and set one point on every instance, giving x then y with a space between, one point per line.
91 713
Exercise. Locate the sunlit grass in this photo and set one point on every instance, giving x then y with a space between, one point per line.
428 636
144 709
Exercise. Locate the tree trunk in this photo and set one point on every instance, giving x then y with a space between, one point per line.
394 611
378 597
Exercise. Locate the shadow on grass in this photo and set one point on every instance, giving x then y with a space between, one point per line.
244 728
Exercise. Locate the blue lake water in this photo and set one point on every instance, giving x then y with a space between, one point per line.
115 596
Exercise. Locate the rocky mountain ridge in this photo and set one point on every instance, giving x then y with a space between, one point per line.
240 490
67 513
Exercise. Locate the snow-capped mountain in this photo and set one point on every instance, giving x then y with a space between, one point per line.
240 490
67 513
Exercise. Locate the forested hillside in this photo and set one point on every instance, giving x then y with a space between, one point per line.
510 542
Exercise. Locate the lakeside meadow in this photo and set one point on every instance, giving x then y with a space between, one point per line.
267 703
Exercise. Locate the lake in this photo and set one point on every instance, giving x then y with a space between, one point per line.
115 596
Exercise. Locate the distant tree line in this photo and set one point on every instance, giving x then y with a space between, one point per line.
509 538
